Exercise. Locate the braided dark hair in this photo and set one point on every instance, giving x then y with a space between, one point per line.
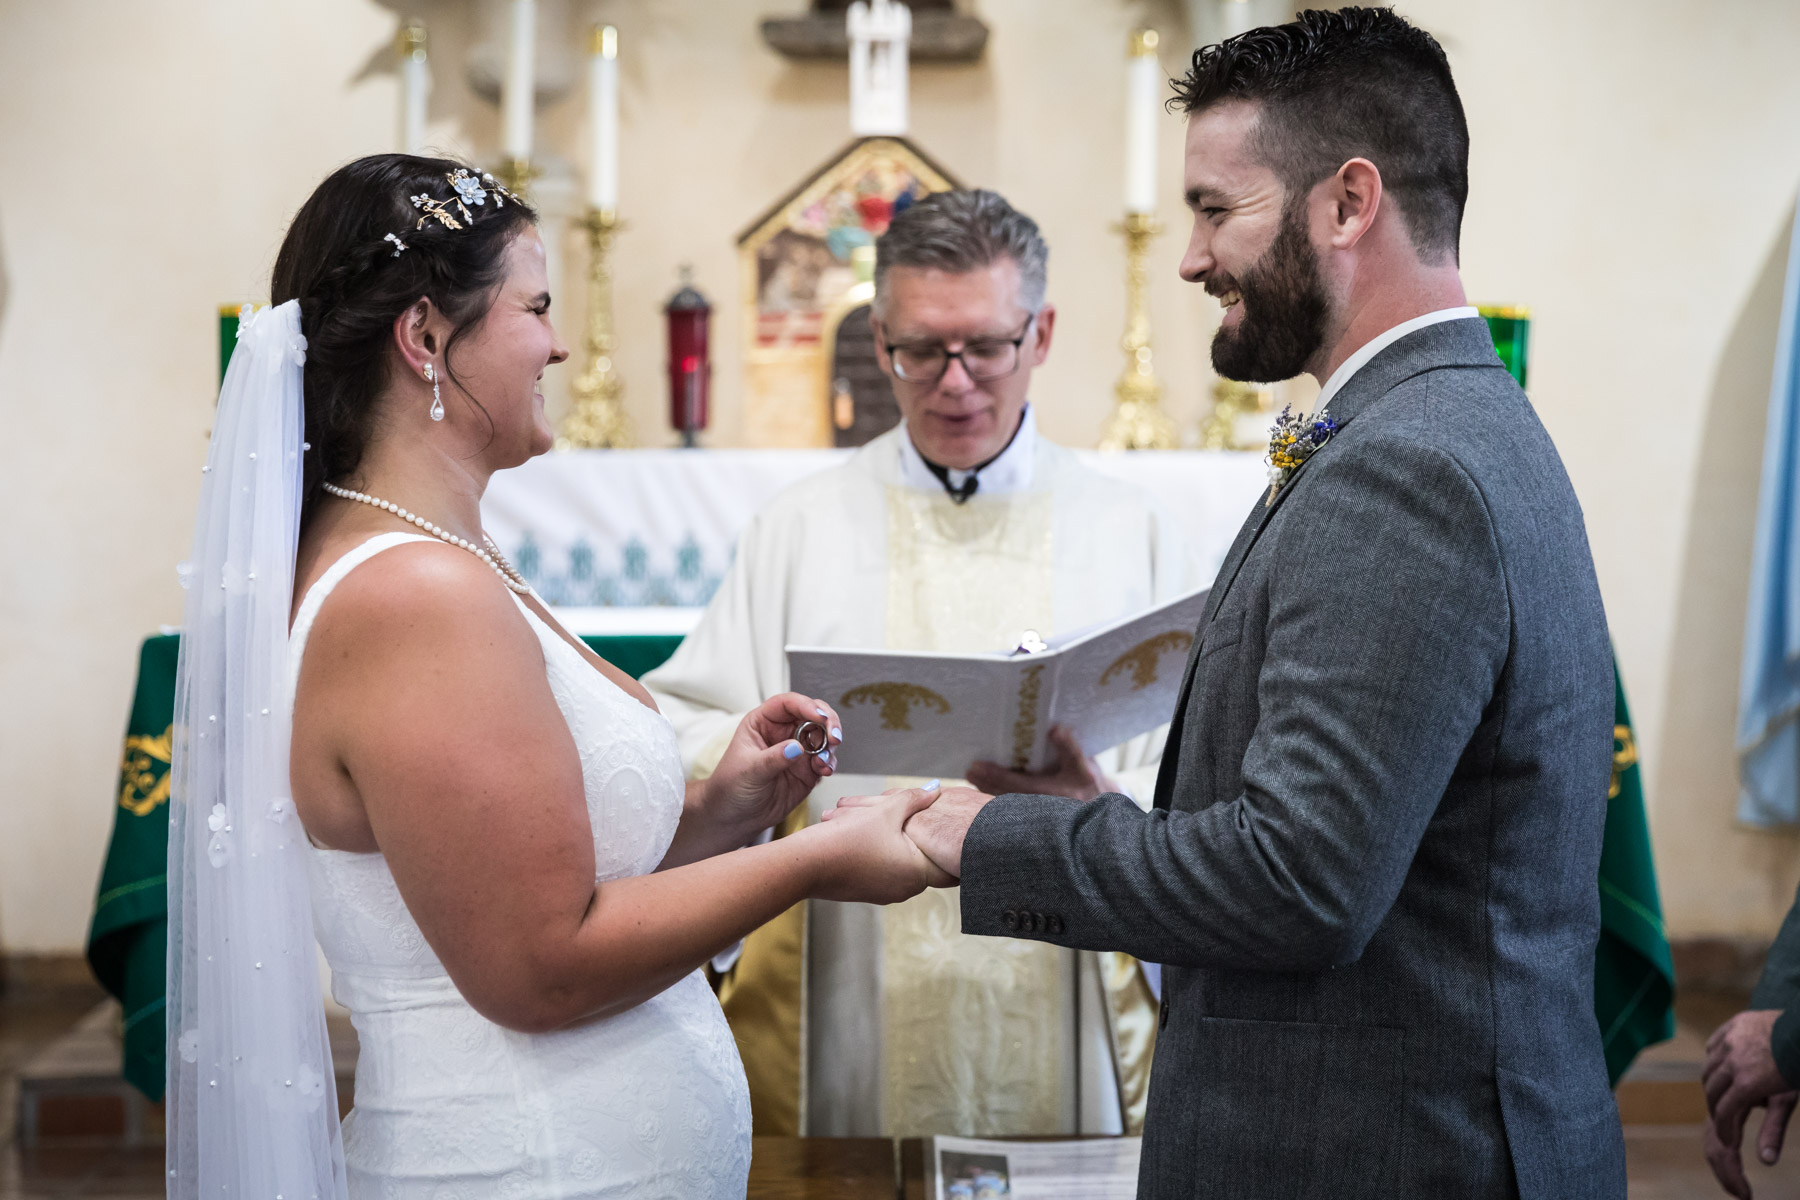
353 284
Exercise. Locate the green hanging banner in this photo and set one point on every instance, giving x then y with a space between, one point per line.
1634 976
127 943
1510 327
228 329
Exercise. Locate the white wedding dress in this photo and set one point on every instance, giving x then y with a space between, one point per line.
449 1106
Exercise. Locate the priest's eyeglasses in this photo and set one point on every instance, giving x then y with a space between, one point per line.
985 359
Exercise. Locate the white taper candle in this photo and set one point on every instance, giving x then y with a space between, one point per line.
1235 17
415 87
1141 96
518 98
603 119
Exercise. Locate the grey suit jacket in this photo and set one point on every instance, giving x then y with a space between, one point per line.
1370 868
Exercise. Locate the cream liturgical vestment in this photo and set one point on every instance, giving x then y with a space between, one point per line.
856 1020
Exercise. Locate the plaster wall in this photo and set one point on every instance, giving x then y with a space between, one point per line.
1633 180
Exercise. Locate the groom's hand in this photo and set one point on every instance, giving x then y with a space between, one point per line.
1073 775
939 830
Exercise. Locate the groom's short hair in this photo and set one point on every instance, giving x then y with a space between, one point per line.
1354 83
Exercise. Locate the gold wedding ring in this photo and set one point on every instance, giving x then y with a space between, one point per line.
811 736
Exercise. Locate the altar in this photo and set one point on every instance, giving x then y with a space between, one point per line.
634 542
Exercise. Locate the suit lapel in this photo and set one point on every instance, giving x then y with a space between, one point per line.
1460 343
1228 572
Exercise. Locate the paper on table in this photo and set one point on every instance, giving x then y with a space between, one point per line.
1084 1169
915 713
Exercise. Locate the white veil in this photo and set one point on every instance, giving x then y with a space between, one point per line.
252 1104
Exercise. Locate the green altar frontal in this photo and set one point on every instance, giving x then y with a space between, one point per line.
128 940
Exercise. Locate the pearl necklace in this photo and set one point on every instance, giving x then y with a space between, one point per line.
491 555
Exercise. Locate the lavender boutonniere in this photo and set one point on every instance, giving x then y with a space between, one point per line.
1293 440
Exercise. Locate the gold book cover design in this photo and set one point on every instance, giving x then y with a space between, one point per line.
921 713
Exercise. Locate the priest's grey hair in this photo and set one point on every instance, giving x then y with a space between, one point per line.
960 231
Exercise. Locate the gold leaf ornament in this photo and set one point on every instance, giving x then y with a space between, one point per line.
1144 658
1625 757
144 774
896 701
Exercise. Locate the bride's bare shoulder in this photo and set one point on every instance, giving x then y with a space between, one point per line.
430 589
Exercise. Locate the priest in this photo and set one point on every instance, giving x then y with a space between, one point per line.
957 531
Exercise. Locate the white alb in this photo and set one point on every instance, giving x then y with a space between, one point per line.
649 1103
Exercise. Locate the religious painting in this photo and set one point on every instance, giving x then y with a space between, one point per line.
806 265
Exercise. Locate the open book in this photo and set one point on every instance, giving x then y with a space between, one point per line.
916 713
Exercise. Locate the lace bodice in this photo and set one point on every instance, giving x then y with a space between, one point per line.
651 1102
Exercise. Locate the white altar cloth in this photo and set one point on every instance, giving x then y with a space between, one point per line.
606 529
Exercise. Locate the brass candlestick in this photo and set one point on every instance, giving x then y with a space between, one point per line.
516 174
1231 401
411 42
1138 421
598 420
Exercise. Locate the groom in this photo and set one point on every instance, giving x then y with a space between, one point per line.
1370 866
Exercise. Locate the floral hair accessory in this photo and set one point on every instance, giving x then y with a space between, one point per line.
470 190
398 244
1293 440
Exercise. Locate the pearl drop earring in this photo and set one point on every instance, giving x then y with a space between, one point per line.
437 401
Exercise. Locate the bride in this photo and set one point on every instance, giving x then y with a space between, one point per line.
512 883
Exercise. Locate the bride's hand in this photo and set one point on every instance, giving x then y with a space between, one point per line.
764 772
937 829
871 858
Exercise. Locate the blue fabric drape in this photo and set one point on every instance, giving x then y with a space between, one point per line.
1768 735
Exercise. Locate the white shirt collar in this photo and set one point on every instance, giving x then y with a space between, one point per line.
1377 344
1011 472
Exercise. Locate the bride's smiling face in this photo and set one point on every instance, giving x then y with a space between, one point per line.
501 360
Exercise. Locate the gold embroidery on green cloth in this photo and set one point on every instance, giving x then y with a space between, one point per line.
1625 756
144 775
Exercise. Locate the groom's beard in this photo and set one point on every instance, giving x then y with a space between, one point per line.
1284 309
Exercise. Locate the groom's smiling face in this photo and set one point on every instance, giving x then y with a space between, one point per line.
1251 249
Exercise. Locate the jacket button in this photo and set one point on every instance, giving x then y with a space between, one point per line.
1055 924
1037 922
1162 1019
1011 919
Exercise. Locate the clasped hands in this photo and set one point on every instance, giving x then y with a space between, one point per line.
937 819
892 846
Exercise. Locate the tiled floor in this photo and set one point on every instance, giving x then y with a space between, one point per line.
86 1172
1664 1161
27 1025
